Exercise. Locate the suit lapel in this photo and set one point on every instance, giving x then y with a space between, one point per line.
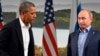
89 37
74 44
19 32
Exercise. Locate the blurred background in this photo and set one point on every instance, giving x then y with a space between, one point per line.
62 11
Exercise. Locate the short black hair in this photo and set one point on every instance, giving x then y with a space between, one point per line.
25 5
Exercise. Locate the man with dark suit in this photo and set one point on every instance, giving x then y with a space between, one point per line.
85 41
16 37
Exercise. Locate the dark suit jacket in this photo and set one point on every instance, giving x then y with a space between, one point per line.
11 40
91 47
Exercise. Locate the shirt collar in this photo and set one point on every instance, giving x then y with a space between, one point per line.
86 30
23 25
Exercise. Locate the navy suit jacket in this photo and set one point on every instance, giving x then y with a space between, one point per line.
11 40
91 47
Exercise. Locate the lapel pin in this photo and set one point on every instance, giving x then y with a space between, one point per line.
93 32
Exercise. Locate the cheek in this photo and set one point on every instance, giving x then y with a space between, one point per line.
80 21
30 16
26 16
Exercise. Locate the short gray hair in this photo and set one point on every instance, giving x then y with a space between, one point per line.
90 13
24 6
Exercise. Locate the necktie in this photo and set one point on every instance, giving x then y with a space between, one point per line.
31 44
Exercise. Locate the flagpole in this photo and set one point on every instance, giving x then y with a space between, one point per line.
73 17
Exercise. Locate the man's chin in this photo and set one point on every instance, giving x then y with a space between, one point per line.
82 27
31 22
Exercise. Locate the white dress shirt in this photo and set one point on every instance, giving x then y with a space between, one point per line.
26 37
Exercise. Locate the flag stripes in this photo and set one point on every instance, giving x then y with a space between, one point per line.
49 31
49 40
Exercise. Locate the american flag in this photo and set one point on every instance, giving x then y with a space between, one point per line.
1 16
49 31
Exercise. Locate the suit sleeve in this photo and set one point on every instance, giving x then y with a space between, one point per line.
99 48
4 40
69 46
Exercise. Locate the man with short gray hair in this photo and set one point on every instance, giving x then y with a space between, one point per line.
85 41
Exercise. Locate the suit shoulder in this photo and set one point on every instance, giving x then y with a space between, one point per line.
11 24
73 33
97 31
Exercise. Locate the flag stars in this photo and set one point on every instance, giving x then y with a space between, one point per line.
51 10
49 19
44 18
50 15
1 18
46 13
48 3
47 8
54 18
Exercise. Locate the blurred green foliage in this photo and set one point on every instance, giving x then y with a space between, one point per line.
62 18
